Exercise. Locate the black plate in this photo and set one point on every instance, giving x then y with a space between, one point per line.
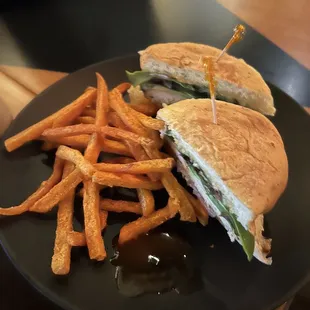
229 281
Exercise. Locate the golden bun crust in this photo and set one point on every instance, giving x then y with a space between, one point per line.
244 149
236 79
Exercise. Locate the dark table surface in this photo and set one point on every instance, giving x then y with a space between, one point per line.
65 35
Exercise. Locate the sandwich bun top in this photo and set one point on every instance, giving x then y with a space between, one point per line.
236 79
244 149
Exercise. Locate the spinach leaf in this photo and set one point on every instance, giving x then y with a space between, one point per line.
246 238
138 77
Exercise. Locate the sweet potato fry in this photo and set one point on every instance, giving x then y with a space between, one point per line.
67 131
175 190
120 206
149 122
151 150
34 132
75 238
200 210
57 193
121 134
62 250
119 160
145 224
89 112
130 119
125 180
139 154
85 120
95 243
74 156
45 187
68 116
115 121
88 88
102 103
134 148
149 109
81 141
140 167
147 201
80 193
124 112
90 129
123 87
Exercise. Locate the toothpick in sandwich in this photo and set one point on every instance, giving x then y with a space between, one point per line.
239 32
208 63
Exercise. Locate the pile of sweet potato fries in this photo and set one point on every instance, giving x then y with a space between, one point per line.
101 121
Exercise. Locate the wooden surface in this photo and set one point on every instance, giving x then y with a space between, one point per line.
284 22
18 86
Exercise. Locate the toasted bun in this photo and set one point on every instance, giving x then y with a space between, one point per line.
236 79
262 245
243 154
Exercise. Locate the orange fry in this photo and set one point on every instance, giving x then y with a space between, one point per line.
115 121
81 141
121 134
145 224
119 160
114 147
102 104
149 109
77 158
139 154
175 190
81 191
57 193
88 88
85 120
120 206
140 167
45 187
123 87
124 112
147 201
149 122
89 129
62 250
68 116
33 132
125 180
135 149
75 238
200 210
89 112
68 131
95 243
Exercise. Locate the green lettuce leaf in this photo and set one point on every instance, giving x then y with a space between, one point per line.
246 238
140 77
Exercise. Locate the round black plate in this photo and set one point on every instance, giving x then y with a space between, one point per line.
229 281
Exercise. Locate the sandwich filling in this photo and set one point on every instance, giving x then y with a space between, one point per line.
245 238
166 89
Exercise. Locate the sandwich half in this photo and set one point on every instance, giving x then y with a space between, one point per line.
238 168
174 71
